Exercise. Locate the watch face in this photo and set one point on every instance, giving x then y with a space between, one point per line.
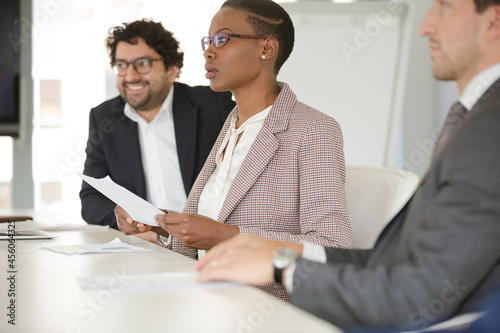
284 256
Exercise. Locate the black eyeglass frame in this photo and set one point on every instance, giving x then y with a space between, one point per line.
207 40
116 69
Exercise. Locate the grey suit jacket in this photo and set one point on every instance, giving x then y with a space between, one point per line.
438 257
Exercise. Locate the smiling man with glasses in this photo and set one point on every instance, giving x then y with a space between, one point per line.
154 138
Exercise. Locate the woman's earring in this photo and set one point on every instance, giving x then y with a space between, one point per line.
263 57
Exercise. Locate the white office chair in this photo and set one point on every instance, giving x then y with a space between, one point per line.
374 196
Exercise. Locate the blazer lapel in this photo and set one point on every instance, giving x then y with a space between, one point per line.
127 133
206 171
263 149
396 222
487 97
482 102
185 125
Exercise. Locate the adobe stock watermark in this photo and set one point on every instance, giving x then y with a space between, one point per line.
256 318
265 309
11 273
436 307
304 271
363 36
88 309
419 156
28 29
76 155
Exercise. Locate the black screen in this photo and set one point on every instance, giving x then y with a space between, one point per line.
9 67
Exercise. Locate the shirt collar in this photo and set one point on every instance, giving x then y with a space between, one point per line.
165 109
255 118
478 86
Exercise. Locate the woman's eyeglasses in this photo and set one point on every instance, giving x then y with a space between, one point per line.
221 39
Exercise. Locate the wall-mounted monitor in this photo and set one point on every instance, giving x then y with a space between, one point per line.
9 67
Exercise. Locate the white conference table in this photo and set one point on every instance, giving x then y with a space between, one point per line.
49 298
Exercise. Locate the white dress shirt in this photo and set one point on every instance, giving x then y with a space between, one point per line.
164 186
471 94
478 86
229 158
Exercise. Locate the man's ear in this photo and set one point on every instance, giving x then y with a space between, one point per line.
173 73
492 14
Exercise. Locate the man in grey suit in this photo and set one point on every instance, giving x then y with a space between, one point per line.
440 255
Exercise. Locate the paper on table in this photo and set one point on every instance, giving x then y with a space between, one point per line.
26 234
138 208
156 281
28 225
115 246
70 227
457 323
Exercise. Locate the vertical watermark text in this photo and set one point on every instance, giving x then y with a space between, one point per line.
11 273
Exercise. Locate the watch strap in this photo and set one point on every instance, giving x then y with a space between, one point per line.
278 274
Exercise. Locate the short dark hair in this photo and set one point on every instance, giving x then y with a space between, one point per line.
266 17
482 5
153 33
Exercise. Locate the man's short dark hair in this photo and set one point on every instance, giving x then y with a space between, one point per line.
269 19
153 33
482 5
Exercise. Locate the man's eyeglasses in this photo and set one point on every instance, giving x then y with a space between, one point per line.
222 38
141 66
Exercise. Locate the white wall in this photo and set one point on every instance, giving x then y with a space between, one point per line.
345 63
423 102
382 93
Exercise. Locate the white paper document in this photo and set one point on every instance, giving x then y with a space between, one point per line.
27 229
26 234
455 324
27 225
157 281
115 246
71 227
138 208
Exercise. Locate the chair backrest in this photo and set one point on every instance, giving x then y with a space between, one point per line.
374 196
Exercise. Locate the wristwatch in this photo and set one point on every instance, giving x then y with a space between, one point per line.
282 258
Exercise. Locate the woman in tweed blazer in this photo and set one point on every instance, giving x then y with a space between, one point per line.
290 184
